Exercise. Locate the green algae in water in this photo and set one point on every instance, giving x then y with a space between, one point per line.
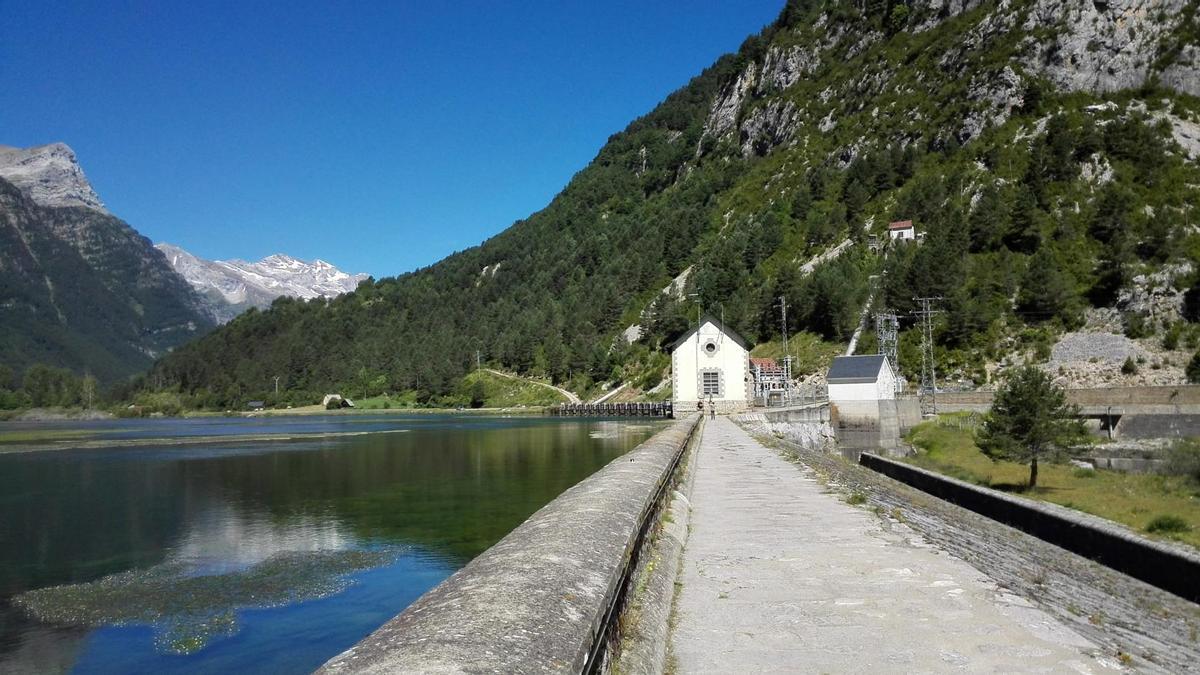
188 612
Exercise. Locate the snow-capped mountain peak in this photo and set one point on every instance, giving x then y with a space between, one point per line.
234 285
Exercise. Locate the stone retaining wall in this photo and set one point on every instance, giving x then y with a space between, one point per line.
1181 395
539 600
1168 567
1158 426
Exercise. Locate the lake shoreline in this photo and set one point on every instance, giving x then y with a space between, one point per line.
103 444
34 415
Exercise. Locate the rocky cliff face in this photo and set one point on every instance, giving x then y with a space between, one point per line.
1096 46
1109 45
81 289
232 286
50 175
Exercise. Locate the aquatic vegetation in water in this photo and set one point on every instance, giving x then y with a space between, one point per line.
187 611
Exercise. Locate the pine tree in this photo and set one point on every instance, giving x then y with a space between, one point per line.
1045 291
1030 420
1193 369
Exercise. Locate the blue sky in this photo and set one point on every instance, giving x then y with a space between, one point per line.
380 138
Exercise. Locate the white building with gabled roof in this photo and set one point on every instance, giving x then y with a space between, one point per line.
868 377
710 362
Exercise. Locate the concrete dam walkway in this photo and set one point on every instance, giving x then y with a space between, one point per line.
778 574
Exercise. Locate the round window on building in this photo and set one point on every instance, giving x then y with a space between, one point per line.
710 347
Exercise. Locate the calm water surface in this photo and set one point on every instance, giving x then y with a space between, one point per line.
260 557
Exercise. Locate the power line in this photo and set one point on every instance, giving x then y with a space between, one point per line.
787 354
928 390
887 328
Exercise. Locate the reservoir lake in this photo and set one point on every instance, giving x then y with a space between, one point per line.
146 551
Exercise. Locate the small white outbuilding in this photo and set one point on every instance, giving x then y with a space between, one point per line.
710 362
861 378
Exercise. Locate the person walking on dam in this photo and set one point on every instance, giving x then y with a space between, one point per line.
712 409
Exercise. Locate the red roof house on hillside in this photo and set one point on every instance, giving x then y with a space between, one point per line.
903 230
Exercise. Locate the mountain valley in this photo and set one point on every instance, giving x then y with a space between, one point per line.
1045 150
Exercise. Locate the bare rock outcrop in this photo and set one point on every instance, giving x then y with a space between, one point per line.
997 95
50 175
784 67
1109 45
723 116
1156 296
767 127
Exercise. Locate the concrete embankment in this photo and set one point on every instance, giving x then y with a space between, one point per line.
1169 567
1149 629
541 599
779 575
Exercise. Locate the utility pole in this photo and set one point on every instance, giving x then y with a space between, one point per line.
887 328
276 385
478 360
787 354
928 390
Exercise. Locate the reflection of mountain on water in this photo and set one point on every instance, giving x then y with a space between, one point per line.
451 490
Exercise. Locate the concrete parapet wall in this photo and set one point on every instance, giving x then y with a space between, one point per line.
1184 394
815 413
1158 426
965 398
1171 568
1170 398
537 601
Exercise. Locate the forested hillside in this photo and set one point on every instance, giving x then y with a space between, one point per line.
80 289
1044 149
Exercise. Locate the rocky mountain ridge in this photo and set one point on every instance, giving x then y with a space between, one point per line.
81 289
232 286
50 175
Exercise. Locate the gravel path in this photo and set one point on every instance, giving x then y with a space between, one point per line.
1138 624
571 397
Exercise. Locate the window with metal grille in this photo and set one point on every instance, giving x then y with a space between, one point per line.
710 383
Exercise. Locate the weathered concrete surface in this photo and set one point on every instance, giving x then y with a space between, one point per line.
1155 630
645 622
780 575
1170 566
535 601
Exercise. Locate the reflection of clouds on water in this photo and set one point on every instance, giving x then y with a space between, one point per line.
188 611
224 538
226 559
